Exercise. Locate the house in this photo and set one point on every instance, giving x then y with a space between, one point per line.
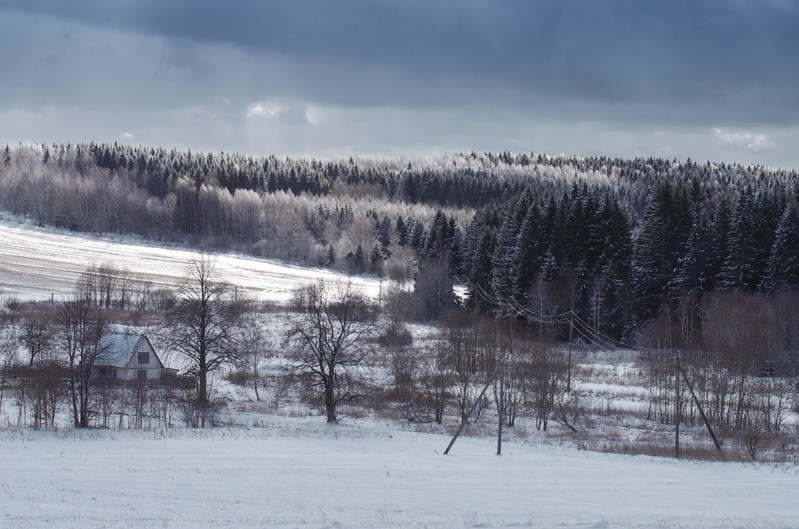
128 357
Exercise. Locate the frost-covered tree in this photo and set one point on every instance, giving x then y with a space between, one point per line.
783 263
658 248
739 269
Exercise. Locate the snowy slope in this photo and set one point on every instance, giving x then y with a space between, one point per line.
37 263
302 473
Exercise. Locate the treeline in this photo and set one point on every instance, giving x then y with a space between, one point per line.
583 251
316 215
614 242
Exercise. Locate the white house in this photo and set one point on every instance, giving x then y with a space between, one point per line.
127 357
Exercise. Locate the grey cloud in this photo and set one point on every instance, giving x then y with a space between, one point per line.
607 50
591 77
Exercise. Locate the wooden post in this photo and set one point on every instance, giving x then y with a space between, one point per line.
677 410
701 411
569 360
500 405
471 411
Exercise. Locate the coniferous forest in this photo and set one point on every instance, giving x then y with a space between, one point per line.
648 250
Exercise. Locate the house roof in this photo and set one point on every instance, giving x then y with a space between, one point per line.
118 347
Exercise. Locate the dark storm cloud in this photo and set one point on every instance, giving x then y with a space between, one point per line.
738 55
709 79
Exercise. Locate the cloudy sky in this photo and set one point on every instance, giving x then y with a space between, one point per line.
705 79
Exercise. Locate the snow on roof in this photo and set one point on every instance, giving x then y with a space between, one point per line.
118 347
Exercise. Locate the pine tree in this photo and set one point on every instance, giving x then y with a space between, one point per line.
503 270
783 263
384 235
690 278
718 244
613 280
437 237
769 209
738 271
376 259
331 256
360 259
418 236
402 231
528 253
658 248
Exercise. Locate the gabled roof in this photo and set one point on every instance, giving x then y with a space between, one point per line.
119 347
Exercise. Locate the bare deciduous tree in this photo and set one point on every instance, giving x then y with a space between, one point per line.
202 327
43 388
548 384
328 337
436 388
82 326
252 351
471 350
7 358
432 293
35 336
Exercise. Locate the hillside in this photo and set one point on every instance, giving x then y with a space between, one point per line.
273 463
618 242
40 263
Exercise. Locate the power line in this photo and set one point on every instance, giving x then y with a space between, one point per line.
587 332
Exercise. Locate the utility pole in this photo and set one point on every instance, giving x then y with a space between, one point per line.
701 411
569 362
471 411
500 403
677 412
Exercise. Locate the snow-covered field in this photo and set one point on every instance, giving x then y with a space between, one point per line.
302 473
364 473
40 263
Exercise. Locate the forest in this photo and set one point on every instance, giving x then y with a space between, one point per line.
620 244
686 264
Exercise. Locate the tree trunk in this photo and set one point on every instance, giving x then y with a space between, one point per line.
74 395
202 388
255 382
330 397
84 398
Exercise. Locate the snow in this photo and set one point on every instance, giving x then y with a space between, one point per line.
365 473
302 473
39 263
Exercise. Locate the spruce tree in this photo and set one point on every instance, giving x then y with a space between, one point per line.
738 271
657 252
783 263
718 244
690 277
528 253
503 270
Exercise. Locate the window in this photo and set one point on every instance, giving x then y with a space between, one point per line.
144 358
142 374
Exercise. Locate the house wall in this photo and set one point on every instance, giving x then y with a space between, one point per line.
153 366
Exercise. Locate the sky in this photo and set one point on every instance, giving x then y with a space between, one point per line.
702 79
